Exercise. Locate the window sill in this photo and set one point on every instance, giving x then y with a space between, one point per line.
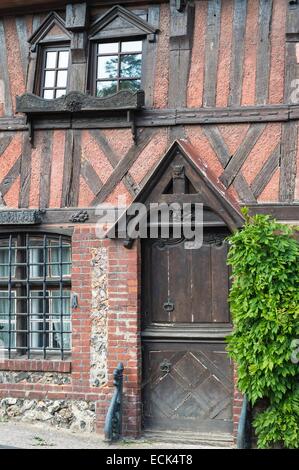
125 103
35 365
75 102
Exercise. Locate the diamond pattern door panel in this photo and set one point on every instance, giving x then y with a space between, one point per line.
187 386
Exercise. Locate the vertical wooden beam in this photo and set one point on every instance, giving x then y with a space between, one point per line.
46 164
263 52
236 72
71 170
22 32
181 36
76 21
150 57
211 52
288 166
291 62
76 16
25 173
4 77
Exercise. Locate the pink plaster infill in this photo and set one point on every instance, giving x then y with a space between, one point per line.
162 65
86 196
276 83
15 71
35 170
233 135
11 154
271 191
249 65
92 152
200 142
120 140
225 45
149 156
57 168
12 196
120 191
196 76
261 151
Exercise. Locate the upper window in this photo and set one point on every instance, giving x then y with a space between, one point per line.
117 67
35 295
54 75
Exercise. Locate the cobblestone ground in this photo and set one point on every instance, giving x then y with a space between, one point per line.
28 436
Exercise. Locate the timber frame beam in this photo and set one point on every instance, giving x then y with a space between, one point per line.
9 7
166 117
68 217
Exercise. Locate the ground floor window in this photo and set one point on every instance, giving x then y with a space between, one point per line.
35 283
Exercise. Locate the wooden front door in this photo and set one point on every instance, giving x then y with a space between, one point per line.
187 375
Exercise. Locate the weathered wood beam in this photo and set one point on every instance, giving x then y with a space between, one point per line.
220 148
123 166
263 52
236 162
71 171
45 172
25 173
4 77
91 177
283 212
288 164
181 36
236 71
211 54
10 177
264 176
101 140
162 117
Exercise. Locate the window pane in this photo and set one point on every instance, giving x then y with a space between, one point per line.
62 78
107 67
108 48
49 79
131 66
51 60
61 306
4 320
49 94
106 88
36 258
4 258
132 85
54 260
63 59
60 93
39 311
131 46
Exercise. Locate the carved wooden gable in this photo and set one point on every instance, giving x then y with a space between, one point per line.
181 176
51 29
118 22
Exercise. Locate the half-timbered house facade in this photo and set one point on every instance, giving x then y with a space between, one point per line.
145 101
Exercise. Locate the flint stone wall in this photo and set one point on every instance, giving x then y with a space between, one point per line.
76 415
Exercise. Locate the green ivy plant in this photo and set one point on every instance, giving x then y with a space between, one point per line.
264 301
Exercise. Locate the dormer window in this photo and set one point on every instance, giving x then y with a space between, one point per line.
49 58
55 71
118 67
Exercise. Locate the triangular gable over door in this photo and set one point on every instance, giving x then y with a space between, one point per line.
181 176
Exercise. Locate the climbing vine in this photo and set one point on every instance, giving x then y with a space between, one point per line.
264 301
